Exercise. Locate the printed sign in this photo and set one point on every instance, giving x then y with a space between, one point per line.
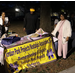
30 54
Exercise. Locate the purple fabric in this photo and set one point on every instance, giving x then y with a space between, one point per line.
10 40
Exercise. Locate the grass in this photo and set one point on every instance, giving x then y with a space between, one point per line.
24 70
34 70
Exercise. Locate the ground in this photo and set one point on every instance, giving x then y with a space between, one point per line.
52 67
18 28
56 66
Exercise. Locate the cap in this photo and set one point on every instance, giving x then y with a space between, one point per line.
32 9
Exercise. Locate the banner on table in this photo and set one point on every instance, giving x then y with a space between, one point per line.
30 54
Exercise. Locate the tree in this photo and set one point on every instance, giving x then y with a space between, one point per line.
45 18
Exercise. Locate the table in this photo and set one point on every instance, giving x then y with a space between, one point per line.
29 54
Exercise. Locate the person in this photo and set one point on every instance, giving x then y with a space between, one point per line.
31 22
4 23
56 21
64 29
55 41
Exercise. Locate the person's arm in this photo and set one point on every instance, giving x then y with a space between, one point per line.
37 24
55 29
1 22
25 22
7 23
69 31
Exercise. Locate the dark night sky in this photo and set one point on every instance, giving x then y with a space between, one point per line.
68 5
21 3
54 4
5 5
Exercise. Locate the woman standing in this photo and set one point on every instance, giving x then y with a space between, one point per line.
4 23
64 32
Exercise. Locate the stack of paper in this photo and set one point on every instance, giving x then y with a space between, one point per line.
41 32
55 39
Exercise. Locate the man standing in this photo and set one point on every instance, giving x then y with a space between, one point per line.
31 22
3 24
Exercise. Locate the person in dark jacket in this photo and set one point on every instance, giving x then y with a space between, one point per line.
31 22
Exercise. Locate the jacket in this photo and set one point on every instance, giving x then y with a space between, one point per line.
66 31
31 22
6 21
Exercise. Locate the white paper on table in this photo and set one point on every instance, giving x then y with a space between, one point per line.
35 38
55 39
40 31
29 35
43 33
1 55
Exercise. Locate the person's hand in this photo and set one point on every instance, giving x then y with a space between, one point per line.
55 25
67 38
24 29
8 24
4 25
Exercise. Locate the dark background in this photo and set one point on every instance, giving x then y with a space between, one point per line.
47 11
56 7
